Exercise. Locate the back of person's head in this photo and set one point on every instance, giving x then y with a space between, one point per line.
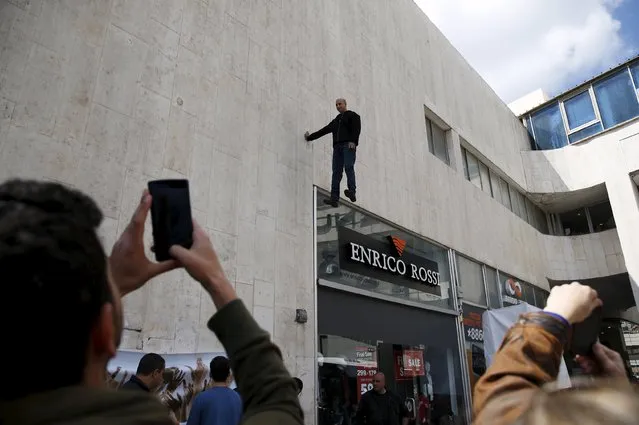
150 363
56 298
220 369
607 403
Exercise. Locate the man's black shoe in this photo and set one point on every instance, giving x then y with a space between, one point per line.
350 195
331 202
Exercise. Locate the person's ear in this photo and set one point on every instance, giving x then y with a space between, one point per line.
104 332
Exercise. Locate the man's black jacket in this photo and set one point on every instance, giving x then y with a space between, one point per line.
345 128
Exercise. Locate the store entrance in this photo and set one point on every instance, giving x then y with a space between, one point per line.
416 349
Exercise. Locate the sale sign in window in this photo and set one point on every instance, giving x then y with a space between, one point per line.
364 380
409 364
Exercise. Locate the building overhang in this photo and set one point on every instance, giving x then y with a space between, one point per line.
616 293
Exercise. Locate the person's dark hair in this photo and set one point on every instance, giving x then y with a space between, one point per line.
149 363
54 275
299 384
220 369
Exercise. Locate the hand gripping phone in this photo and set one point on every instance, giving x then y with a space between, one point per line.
170 216
585 334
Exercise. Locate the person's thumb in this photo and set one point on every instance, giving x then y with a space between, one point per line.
181 254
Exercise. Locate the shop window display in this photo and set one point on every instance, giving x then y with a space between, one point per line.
418 374
416 350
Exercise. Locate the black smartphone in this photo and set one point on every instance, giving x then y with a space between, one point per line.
171 216
585 334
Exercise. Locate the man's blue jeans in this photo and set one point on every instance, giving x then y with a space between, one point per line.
343 160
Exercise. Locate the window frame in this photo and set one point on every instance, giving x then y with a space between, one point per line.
564 115
431 140
486 189
635 84
528 117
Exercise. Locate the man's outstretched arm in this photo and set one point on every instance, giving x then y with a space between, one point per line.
320 133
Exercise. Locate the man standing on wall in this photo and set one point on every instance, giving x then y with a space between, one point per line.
345 128
149 376
380 406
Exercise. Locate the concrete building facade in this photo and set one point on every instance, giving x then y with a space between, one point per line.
107 95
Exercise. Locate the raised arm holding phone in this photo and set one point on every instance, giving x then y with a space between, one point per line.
54 262
268 390
513 389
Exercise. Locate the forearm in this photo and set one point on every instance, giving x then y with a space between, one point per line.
529 357
319 133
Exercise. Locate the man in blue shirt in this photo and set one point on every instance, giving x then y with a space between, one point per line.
219 405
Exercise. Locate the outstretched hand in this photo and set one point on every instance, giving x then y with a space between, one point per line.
130 267
306 135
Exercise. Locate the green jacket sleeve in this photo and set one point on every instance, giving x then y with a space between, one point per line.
268 391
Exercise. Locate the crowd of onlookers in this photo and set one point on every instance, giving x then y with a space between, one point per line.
67 316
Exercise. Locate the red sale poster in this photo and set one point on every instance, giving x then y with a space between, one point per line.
364 380
409 364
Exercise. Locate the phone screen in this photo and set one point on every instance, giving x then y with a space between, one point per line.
171 216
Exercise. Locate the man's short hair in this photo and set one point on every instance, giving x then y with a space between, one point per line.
220 369
54 273
149 363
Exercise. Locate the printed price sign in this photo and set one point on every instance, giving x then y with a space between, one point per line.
364 380
409 364
473 326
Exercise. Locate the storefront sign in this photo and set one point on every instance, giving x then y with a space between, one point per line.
364 380
513 292
409 364
473 327
387 261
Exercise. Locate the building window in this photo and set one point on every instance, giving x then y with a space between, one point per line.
574 222
601 217
581 117
549 128
492 283
494 184
593 219
606 102
634 70
484 178
471 279
617 99
473 169
505 194
437 141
